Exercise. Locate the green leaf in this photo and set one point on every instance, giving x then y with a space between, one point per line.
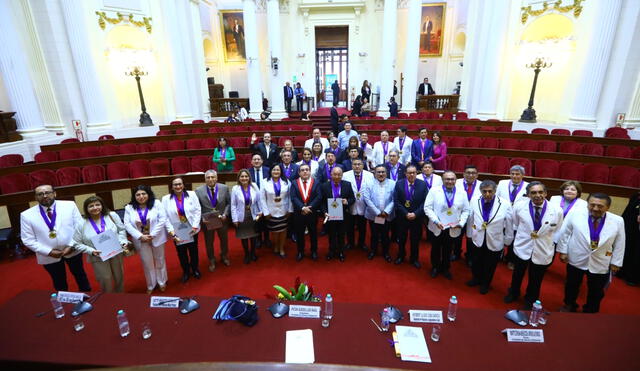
283 291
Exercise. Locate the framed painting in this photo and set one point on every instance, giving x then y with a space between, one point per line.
432 29
232 23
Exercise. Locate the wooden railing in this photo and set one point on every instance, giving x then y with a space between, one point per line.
8 128
437 103
221 107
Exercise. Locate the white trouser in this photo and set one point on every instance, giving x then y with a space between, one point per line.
154 265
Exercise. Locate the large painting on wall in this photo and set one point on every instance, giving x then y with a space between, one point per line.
432 29
232 24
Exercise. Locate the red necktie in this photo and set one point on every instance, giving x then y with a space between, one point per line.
49 213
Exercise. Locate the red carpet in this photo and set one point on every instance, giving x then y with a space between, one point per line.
326 112
356 280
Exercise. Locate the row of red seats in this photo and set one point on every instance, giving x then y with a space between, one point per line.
614 132
231 129
96 173
432 127
544 168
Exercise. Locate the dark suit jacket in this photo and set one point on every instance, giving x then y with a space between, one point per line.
224 200
417 201
314 198
430 90
335 88
265 173
416 151
393 109
400 171
287 90
345 192
321 173
346 165
340 156
294 171
261 149
357 109
334 118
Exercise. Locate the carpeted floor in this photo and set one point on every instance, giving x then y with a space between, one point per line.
326 112
355 280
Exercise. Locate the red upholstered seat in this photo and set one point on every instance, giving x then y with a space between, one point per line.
70 140
616 132
128 148
175 123
93 173
547 146
528 145
201 163
183 131
509 143
216 129
69 154
571 147
473 142
457 142
159 166
571 170
161 133
626 176
503 129
42 176
11 160
524 162
197 122
414 115
283 139
596 173
499 165
490 142
593 149
582 133
180 165
159 146
403 115
69 176
546 168
457 162
46 156
481 162
560 132
89 152
213 122
236 142
519 131
14 183
175 145
454 127
636 152
106 137
199 131
487 128
298 141
139 168
619 151
109 150
432 115
461 116
437 127
195 143
209 143
118 170
539 131
447 116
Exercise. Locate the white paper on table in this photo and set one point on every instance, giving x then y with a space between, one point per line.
107 243
183 232
335 213
299 347
413 346
379 220
449 219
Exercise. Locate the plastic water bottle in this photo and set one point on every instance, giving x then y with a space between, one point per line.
58 309
534 317
384 323
453 308
328 307
123 323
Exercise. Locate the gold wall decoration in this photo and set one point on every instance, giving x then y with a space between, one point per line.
576 8
103 19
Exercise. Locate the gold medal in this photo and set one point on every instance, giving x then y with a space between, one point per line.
183 219
358 195
400 152
534 234
594 245
449 211
145 229
277 199
52 234
247 207
484 225
334 204
407 203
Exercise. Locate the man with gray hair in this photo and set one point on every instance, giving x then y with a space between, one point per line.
514 190
215 201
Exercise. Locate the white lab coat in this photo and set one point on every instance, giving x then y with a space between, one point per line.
359 206
499 231
435 207
541 249
156 218
377 155
269 206
503 190
405 156
474 195
191 210
237 202
580 205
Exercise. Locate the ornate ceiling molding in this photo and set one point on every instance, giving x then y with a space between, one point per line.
527 11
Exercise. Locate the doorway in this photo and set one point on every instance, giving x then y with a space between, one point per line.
332 63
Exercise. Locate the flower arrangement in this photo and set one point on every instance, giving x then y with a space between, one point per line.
304 292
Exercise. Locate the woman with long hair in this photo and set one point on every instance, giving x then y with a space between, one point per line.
245 212
356 107
307 159
276 206
317 154
224 156
439 157
366 90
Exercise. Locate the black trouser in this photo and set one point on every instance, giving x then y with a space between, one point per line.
595 289
510 257
59 274
336 98
261 228
485 262
310 223
287 104
441 251
209 237
536 274
299 104
429 236
188 255
414 228
380 233
393 227
335 231
356 221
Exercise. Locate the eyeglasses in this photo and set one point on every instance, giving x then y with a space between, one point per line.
47 193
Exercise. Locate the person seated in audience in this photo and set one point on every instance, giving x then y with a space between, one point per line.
367 150
288 146
245 212
47 229
97 220
421 149
335 149
380 153
514 190
224 156
359 180
470 184
345 135
395 169
264 116
305 116
439 156
307 159
289 168
356 107
233 117
317 154
596 256
242 113
323 174
316 136
569 201
380 211
354 143
184 215
144 219
275 203
266 149
331 190
403 143
535 223
366 107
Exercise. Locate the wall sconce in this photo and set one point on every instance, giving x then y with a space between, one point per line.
301 55
362 54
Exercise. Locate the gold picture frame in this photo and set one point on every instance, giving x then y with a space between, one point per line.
432 29
232 31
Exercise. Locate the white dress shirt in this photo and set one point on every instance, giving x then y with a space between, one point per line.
378 197
268 204
237 202
462 183
579 206
435 207
156 219
499 230
540 249
405 156
367 178
504 190
378 156
191 210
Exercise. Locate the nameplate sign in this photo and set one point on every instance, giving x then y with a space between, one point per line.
71 297
164 302
304 311
515 335
425 316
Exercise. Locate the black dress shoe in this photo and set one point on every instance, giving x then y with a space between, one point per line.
416 264
314 256
371 255
510 298
185 277
434 272
196 274
341 257
254 257
323 233
483 290
294 238
247 259
454 257
447 275
364 248
258 244
388 258
472 282
329 256
299 256
399 261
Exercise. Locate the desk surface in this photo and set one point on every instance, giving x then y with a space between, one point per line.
473 341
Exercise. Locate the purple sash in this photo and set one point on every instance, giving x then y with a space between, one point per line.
429 182
385 148
247 195
401 141
453 197
287 171
409 190
223 153
213 198
277 187
179 204
143 216
358 181
513 193
393 176
595 233
103 225
537 223
363 145
486 209
315 158
50 223
563 204
336 190
328 169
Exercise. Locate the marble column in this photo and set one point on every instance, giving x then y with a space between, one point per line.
15 74
388 46
90 88
275 46
199 73
633 113
254 78
411 57
589 88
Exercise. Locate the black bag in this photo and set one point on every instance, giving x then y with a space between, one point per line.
239 308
